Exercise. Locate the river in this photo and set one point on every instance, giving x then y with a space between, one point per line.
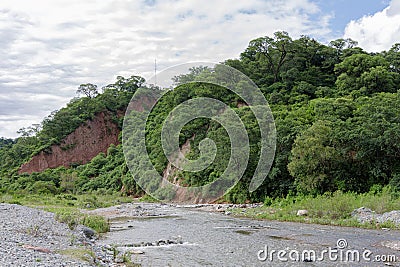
169 235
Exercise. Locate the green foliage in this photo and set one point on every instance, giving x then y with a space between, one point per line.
363 74
104 171
336 109
43 187
312 157
71 218
329 208
95 222
62 122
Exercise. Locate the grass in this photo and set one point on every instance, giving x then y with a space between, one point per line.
86 201
96 222
331 209
67 207
83 254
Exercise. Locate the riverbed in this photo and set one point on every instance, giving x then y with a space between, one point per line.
172 235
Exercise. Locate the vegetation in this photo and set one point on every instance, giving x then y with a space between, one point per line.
104 171
67 207
329 208
336 109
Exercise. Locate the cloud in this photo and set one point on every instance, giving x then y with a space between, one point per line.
379 31
50 47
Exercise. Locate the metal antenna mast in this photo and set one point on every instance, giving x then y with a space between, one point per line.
155 72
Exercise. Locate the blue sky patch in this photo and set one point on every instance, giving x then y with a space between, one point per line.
346 10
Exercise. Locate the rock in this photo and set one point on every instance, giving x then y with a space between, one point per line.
38 249
366 215
361 210
395 245
392 216
302 213
137 252
88 233
119 260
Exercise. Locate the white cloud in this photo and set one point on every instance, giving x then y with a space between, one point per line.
379 31
50 47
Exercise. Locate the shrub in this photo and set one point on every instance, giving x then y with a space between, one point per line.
96 222
43 187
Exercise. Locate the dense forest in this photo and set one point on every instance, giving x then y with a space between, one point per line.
336 109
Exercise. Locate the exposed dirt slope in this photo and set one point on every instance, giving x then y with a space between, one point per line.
79 147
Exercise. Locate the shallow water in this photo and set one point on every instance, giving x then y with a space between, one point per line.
213 239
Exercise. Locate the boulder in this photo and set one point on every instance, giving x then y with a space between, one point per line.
88 232
364 215
302 213
361 211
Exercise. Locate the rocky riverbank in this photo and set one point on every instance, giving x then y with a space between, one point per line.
203 235
147 233
33 237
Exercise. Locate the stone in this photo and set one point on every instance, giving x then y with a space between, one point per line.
391 216
361 210
88 233
137 252
38 249
302 213
395 245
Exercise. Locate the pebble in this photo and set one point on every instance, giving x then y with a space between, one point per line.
366 215
34 238
31 237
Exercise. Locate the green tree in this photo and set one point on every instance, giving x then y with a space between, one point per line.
269 54
313 157
87 89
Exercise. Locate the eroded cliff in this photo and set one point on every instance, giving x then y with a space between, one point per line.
79 147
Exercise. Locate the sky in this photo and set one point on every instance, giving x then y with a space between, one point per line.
49 47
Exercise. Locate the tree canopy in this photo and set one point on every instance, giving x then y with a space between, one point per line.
336 109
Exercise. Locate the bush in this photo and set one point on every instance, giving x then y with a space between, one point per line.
96 222
91 201
43 187
71 218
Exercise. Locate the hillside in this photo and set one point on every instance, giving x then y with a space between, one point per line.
79 147
336 110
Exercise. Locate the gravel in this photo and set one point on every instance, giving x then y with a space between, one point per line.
366 215
32 237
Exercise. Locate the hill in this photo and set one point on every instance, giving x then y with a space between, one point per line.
336 110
